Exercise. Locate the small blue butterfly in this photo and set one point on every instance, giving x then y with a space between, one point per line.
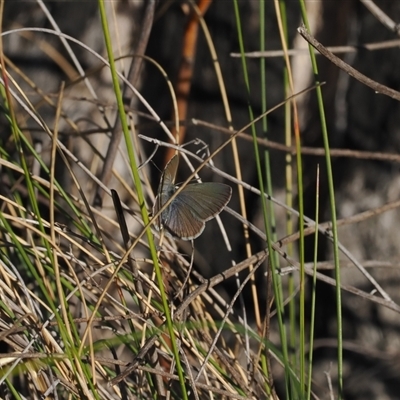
187 214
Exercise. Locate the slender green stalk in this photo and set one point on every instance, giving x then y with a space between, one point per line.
300 200
333 210
264 121
293 334
15 393
280 21
138 186
267 163
314 289
267 223
262 66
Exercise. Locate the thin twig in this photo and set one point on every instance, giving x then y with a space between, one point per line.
387 44
381 16
313 151
377 87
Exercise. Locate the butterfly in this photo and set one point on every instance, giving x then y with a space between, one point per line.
186 216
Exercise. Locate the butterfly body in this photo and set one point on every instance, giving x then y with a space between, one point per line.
197 203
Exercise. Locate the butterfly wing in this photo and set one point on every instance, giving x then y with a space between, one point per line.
187 214
180 222
205 200
166 188
169 173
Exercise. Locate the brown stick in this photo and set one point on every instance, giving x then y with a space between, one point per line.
185 75
377 87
